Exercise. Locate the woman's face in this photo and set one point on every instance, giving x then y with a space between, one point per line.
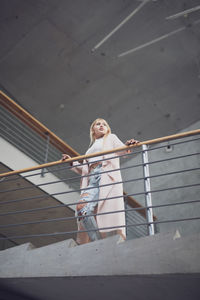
100 129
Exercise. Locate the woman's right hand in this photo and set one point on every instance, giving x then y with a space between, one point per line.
131 142
65 156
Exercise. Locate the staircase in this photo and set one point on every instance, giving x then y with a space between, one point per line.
163 266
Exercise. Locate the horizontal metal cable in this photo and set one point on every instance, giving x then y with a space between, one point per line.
66 192
69 179
172 144
101 172
8 179
133 216
60 193
136 165
89 188
67 168
26 145
32 126
132 213
132 153
29 137
66 219
98 229
63 219
70 167
21 129
38 127
158 139
172 204
64 180
24 118
74 203
12 136
78 177
23 148
175 220
97 214
57 206
132 166
123 168
135 233
120 149
172 158
139 231
27 130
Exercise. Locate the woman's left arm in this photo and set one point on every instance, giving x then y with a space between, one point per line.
76 166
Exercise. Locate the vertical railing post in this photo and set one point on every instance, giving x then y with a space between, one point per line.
46 154
147 188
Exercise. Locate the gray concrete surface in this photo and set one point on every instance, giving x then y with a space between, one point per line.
152 287
182 179
165 266
159 254
47 66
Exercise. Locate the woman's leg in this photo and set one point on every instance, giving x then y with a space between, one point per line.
84 210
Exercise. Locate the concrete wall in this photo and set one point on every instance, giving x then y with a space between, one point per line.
17 160
37 198
162 182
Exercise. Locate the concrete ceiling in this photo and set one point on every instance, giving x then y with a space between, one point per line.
47 65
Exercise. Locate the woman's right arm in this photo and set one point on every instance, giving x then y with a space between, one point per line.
77 167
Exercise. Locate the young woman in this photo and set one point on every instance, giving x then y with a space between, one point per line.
101 184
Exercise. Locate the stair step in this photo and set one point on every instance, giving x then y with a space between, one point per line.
159 254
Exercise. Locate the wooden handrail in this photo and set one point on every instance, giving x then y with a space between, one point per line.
43 131
34 124
82 157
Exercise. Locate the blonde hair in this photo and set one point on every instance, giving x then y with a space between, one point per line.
92 137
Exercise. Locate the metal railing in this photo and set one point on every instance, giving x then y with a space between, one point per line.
21 130
28 129
31 137
146 177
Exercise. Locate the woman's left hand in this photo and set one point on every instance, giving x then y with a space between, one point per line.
65 156
131 142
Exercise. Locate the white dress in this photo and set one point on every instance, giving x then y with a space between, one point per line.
97 146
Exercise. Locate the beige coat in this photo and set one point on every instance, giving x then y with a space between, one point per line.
115 204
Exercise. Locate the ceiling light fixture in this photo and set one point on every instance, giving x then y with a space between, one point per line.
120 25
183 13
156 40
